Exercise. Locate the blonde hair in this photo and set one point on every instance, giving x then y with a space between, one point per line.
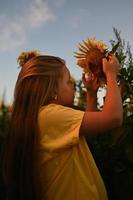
38 78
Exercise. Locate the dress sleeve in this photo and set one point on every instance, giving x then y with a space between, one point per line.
59 127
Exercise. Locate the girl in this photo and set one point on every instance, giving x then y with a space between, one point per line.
46 155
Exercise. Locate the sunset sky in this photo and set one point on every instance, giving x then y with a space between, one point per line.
55 27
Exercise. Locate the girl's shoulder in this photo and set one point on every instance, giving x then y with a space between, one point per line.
55 107
56 112
51 105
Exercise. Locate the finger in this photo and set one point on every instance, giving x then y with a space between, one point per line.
95 79
104 61
92 77
83 75
84 79
96 82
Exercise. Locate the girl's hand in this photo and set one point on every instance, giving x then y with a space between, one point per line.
111 66
91 83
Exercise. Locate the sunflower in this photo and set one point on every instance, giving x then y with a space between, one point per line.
89 57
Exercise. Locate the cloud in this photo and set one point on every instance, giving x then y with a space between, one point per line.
13 31
12 35
39 13
59 3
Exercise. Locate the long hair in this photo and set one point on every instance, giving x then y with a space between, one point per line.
34 88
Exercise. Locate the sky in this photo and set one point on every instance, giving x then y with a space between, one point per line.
56 27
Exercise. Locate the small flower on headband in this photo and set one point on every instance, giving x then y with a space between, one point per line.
90 55
25 56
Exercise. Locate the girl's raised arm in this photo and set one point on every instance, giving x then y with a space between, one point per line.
112 114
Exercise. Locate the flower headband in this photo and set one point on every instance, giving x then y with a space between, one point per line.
90 55
25 56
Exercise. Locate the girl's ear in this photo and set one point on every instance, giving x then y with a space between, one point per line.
55 95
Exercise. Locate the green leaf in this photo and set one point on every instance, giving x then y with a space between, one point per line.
115 47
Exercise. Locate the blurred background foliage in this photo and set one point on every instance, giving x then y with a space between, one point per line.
112 151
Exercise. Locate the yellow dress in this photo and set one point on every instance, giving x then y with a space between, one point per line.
67 168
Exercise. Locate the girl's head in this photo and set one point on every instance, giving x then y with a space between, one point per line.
45 79
41 81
